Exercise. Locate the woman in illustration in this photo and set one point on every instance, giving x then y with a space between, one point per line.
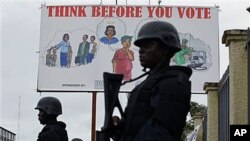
122 59
63 45
109 39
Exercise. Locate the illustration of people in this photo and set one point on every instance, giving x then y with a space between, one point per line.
109 39
63 45
48 58
69 57
53 58
83 50
184 54
92 49
122 59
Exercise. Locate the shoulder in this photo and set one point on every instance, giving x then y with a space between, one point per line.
118 51
49 134
177 71
103 38
114 39
174 77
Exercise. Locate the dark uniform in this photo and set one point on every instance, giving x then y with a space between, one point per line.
49 108
157 108
53 132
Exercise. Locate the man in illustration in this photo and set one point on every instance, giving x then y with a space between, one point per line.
109 32
184 54
92 49
64 45
83 50
122 59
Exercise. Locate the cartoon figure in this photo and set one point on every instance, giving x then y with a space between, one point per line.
109 32
48 58
92 49
83 50
122 59
53 58
184 54
69 57
64 45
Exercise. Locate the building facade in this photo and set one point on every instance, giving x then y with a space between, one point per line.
6 135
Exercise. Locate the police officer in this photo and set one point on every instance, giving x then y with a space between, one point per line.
157 108
49 108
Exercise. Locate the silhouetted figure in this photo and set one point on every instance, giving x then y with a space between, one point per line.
49 108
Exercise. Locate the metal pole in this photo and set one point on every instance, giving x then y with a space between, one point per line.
93 133
248 71
19 117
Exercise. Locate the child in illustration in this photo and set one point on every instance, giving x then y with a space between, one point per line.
63 45
83 50
184 54
69 57
92 49
48 58
53 58
122 59
109 39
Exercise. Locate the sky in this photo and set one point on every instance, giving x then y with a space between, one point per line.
19 44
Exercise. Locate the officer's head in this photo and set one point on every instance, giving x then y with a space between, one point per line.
76 139
158 41
49 108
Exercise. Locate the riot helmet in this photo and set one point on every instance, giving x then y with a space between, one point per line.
162 31
76 139
51 105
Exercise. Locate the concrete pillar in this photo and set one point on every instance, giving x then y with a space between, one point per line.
236 41
198 121
211 90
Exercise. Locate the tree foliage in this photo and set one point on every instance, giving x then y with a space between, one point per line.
195 109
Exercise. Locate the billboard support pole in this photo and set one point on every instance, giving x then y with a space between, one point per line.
248 70
93 125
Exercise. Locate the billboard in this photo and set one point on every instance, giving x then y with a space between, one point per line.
80 42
